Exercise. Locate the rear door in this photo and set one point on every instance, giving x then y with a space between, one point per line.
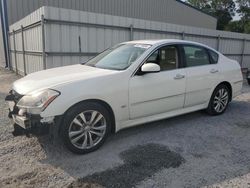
202 74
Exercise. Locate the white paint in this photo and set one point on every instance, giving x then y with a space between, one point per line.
135 99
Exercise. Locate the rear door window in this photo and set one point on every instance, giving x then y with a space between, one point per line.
195 56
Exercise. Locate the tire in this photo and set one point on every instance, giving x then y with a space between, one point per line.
85 127
248 81
219 100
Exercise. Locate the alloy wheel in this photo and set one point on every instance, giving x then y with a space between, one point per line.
87 129
221 100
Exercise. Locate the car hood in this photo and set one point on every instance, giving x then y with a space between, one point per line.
57 76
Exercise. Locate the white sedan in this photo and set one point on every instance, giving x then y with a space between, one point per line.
129 84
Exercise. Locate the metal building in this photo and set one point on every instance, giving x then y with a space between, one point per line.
52 37
167 11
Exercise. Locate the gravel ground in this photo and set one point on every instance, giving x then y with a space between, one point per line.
193 150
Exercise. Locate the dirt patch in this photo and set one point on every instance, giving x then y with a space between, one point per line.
79 184
140 162
243 124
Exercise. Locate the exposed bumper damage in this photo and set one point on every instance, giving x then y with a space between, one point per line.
26 124
248 77
30 124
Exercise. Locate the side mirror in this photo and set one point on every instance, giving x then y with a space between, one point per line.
150 68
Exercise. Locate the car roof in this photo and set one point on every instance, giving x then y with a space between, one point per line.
166 41
154 41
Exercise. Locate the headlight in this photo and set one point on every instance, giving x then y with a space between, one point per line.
37 102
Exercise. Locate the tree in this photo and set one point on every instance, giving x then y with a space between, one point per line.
244 12
224 10
247 28
235 26
244 9
199 3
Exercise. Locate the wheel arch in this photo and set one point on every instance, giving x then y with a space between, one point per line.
101 102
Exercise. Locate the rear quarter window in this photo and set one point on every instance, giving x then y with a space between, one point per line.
214 57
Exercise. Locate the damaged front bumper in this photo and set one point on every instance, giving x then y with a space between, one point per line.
30 125
25 123
248 77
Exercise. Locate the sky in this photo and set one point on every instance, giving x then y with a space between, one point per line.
237 17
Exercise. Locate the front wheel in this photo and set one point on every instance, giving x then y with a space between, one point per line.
86 127
219 100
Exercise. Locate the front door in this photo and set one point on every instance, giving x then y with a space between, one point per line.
155 93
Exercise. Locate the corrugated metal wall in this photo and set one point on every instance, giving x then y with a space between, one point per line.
170 11
74 36
26 44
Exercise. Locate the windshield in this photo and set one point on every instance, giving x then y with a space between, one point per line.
119 57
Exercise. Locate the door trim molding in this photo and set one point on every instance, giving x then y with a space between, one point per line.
156 99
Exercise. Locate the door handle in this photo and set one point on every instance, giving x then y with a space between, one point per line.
179 76
214 71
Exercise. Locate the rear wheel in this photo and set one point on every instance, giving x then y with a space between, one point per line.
219 100
86 127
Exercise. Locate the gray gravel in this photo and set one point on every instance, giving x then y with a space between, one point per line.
193 150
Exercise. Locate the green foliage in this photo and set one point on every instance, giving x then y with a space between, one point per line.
198 3
224 10
247 28
244 9
244 12
239 26
235 26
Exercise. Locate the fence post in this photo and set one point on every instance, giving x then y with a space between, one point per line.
43 43
183 35
131 27
80 44
23 48
243 52
9 52
218 43
14 45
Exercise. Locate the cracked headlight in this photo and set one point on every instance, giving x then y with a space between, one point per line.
37 102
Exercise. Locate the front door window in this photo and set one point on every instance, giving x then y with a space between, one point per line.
166 57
